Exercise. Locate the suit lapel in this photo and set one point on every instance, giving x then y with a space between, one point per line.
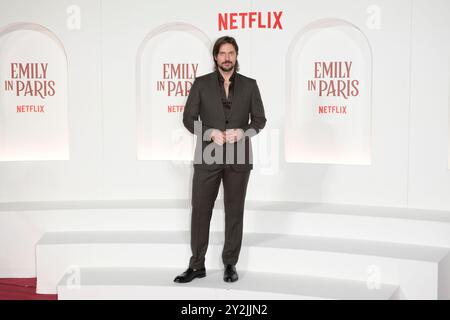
236 92
217 94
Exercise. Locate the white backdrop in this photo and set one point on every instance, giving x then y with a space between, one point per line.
406 126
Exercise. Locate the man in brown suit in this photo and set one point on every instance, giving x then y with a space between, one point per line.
224 100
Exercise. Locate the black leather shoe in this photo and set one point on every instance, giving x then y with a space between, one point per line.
190 274
230 274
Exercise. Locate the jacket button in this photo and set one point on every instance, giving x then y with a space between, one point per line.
226 121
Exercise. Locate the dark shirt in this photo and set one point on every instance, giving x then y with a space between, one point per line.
227 101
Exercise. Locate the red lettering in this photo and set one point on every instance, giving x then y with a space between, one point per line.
223 21
233 21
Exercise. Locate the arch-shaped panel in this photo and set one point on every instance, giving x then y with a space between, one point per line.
168 60
329 93
33 94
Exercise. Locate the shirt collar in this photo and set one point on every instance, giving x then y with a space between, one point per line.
233 76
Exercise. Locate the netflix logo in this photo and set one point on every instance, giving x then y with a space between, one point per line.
250 20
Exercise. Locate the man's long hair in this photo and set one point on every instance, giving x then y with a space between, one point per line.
219 43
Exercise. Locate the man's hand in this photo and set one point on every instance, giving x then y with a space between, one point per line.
233 135
228 136
218 137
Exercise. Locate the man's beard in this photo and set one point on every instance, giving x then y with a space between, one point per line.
226 69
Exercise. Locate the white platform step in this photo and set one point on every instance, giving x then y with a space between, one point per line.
421 272
157 284
403 225
22 224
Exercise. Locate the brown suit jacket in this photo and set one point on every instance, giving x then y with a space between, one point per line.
204 101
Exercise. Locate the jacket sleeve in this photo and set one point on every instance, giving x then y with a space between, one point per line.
192 110
257 115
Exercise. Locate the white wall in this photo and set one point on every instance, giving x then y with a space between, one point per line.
429 135
409 121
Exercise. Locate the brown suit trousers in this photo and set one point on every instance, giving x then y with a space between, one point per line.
205 187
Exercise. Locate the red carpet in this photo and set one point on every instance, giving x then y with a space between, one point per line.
22 289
